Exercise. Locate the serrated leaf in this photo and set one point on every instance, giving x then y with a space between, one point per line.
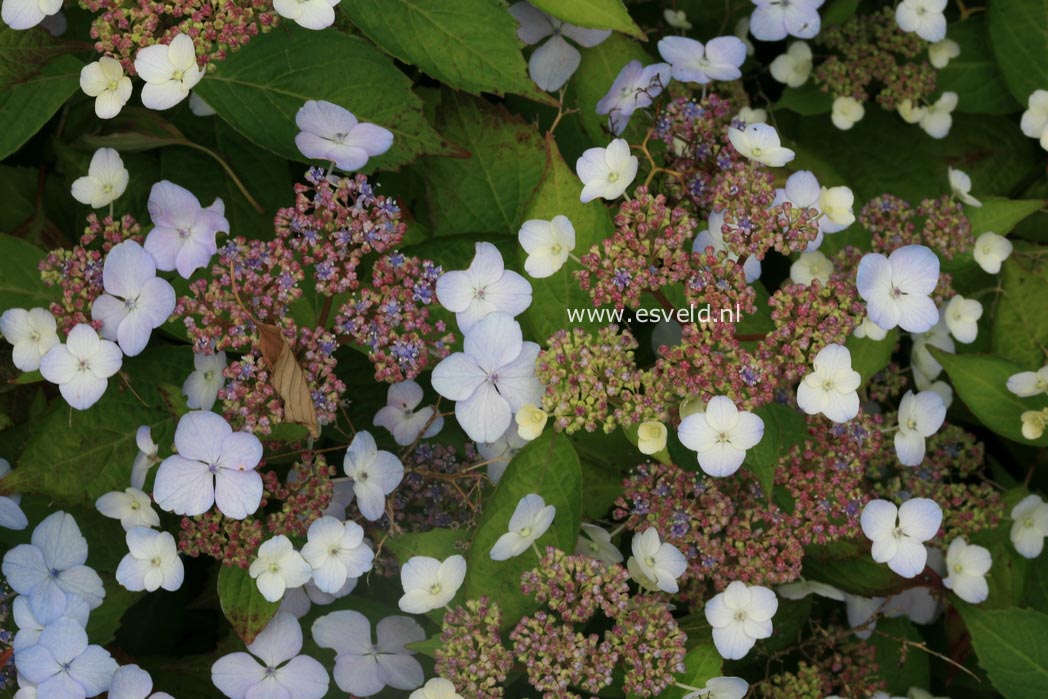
243 605
1019 38
594 14
1020 320
975 75
1012 646
27 106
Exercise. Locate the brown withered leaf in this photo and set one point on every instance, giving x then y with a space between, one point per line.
287 378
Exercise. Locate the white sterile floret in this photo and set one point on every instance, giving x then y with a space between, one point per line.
199 107
713 237
870 330
595 542
336 551
677 19
836 203
937 118
897 289
1034 123
364 665
553 63
548 243
651 437
492 378
1029 383
309 14
214 466
1033 423
742 30
847 112
962 318
530 421
923 17
135 301
183 235
831 387
430 584
170 72
773 20
911 113
654 564
740 616
530 520
991 250
721 688
26 14
152 561
942 52
966 569
203 383
760 142
721 435
401 418
961 187
278 567
375 474
810 266
105 81
31 334
634 88
921 358
498 453
802 588
793 67
483 288
606 173
105 181
1029 526
132 507
30 627
272 668
749 115
898 533
82 366
146 458
693 62
436 688
920 416
11 515
132 682
332 133
63 666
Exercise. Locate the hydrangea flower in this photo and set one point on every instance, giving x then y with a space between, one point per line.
105 81
802 588
721 435
713 237
920 416
654 563
530 421
961 187
132 682
30 627
835 203
1029 526
152 561
635 87
966 568
530 520
430 584
921 358
721 688
1029 383
278 567
773 20
606 173
82 366
923 17
548 244
62 664
11 515
499 452
203 383
831 388
1034 123
942 52
436 688
760 142
26 14
991 250
300 600
897 289
556 60
146 458
810 266
937 118
375 473
309 14
170 72
214 466
491 378
105 182
651 437
364 667
793 67
692 62
136 300
403 421
330 132
740 615
132 507
898 533
336 551
1033 423
485 287
749 115
595 542
847 112
678 19
281 673
962 318
31 334
183 235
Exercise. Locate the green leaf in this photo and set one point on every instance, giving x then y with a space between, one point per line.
838 12
24 53
558 194
259 89
807 99
981 383
784 427
1012 646
701 664
1000 215
436 543
595 14
487 191
974 75
548 467
20 283
470 45
848 566
1037 584
26 107
1020 323
243 605
599 67
870 356
900 670
1019 38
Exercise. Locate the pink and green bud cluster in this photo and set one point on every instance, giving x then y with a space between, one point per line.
576 586
471 655
939 224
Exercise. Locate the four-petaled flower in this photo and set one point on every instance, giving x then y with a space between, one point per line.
773 20
961 187
920 416
966 569
31 334
793 67
105 81
375 473
364 667
203 383
183 235
654 563
309 14
692 62
170 72
923 17
897 289
278 568
82 366
548 244
401 418
152 561
337 552
606 172
530 520
1029 526
330 132
760 142
991 250
483 288
634 88
898 533
430 584
131 506
962 318
721 435
740 616
556 60
831 388
136 300
105 181
62 664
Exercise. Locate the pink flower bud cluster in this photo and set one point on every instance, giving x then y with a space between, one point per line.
556 657
939 224
471 655
576 586
304 495
650 645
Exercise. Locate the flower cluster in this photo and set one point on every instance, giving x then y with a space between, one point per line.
472 655
939 224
